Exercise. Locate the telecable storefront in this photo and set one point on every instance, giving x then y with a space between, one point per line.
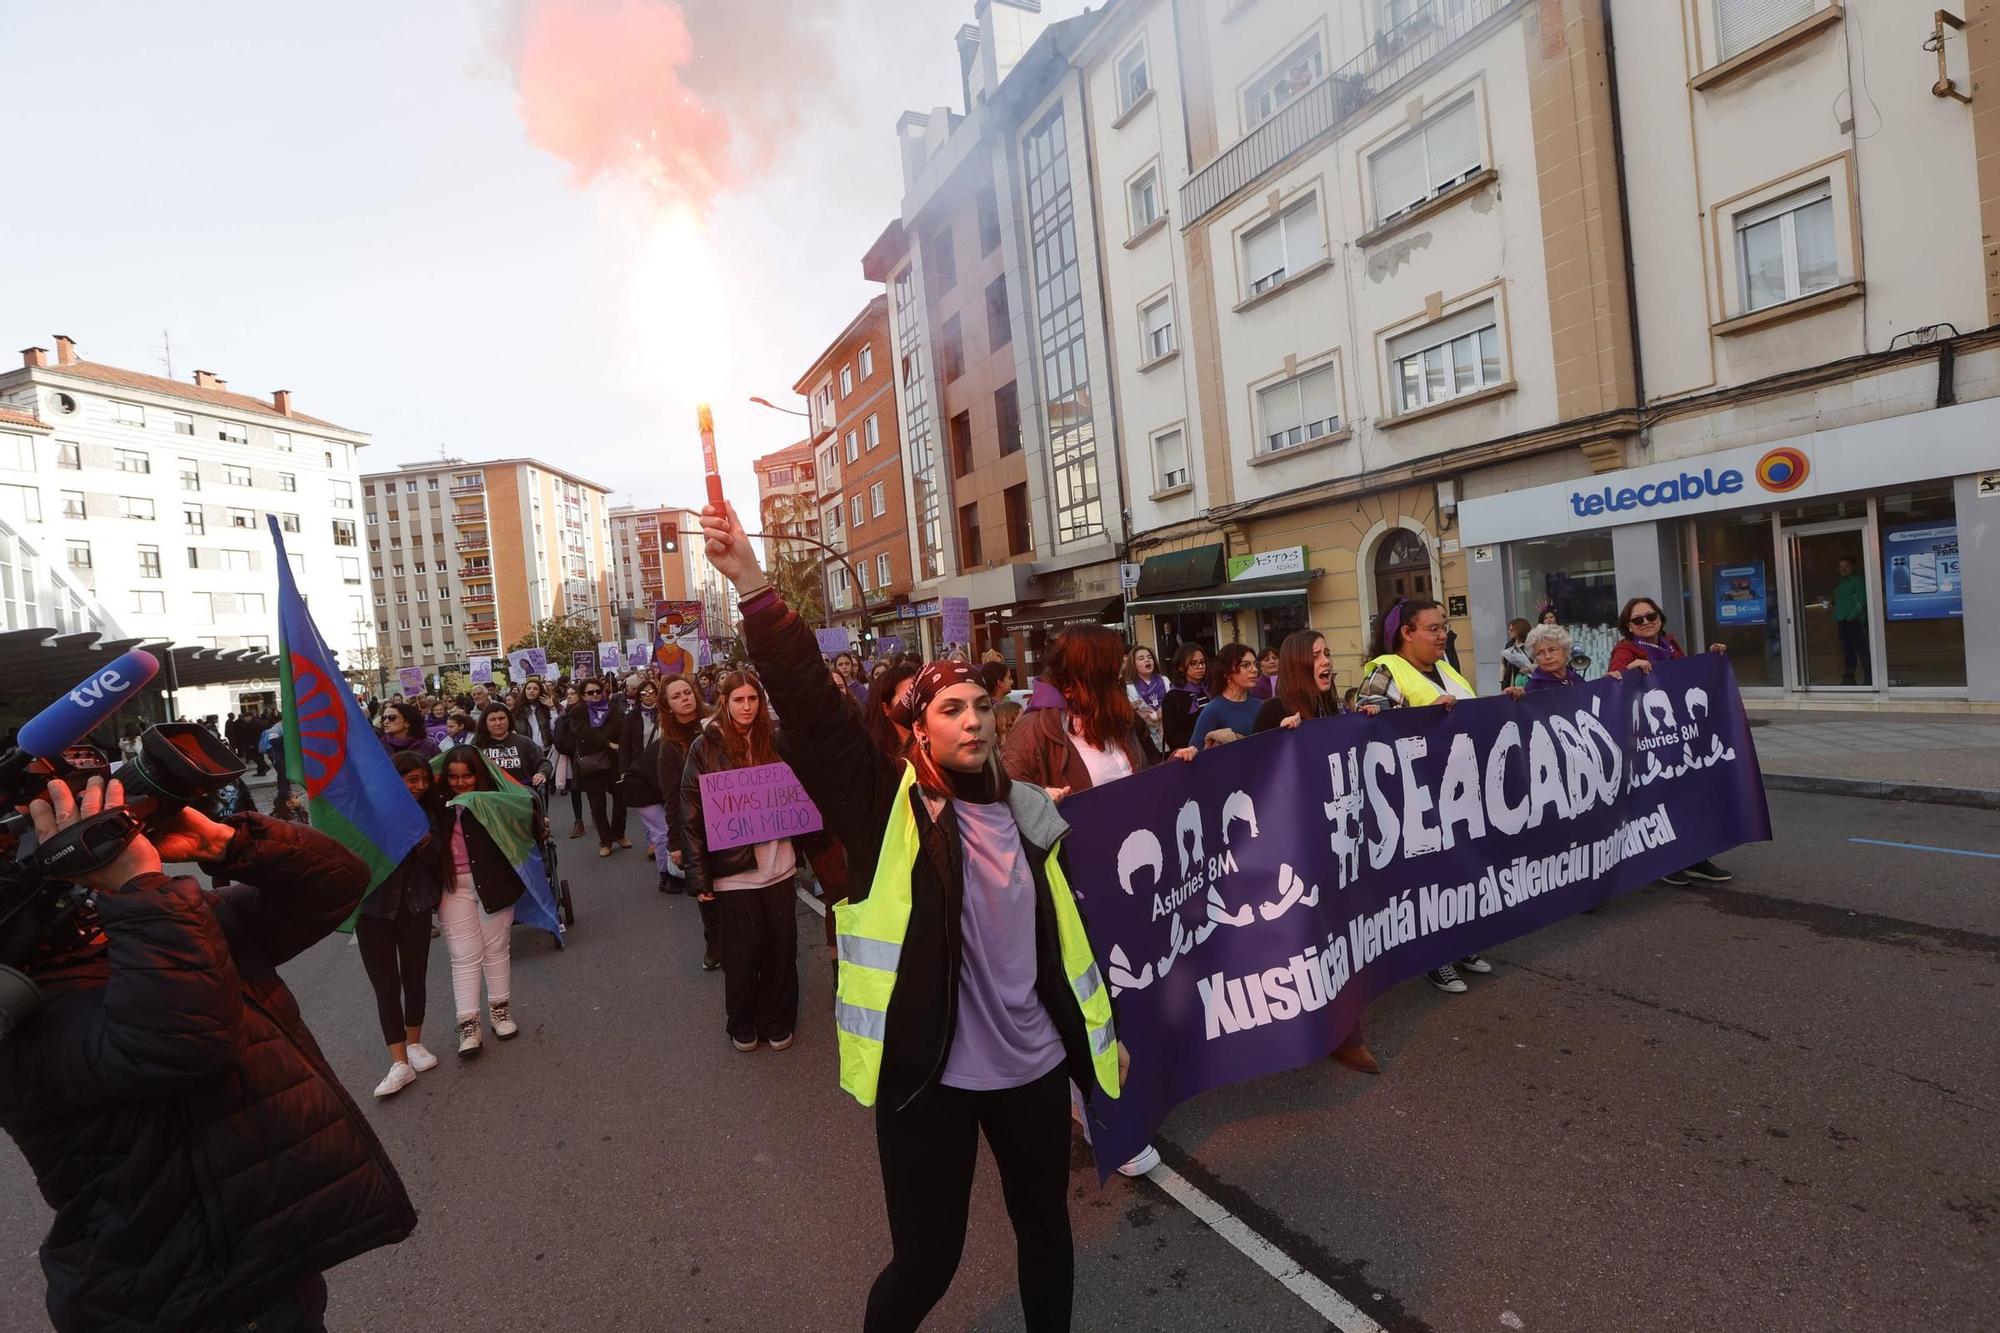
1859 563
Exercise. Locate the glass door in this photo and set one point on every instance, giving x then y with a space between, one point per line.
1832 606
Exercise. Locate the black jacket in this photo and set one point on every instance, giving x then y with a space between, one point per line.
200 1154
494 878
584 739
1178 711
854 785
541 713
670 763
419 880
639 761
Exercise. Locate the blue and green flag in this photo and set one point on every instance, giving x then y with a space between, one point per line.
508 814
353 792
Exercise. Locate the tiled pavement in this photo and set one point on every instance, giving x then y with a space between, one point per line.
1951 751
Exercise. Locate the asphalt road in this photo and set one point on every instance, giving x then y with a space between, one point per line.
1766 1105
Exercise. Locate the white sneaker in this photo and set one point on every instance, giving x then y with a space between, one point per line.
1148 1158
421 1060
400 1076
504 1025
468 1036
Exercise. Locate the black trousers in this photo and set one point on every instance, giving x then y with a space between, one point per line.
602 793
757 938
928 1152
396 954
1853 650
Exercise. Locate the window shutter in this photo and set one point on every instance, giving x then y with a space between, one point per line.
1451 326
1280 405
1263 253
1305 244
1319 392
1398 175
1171 450
1158 317
1453 143
1744 23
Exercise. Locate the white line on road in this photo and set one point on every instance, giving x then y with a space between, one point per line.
1335 1308
1329 1304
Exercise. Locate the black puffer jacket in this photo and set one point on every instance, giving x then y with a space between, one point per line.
854 785
201 1156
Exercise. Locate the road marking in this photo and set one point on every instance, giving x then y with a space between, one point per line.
1324 1300
1926 847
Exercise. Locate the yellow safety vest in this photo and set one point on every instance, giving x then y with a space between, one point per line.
870 936
1415 687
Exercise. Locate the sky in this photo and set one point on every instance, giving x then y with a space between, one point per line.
482 228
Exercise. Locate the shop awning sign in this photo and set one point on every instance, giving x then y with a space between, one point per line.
1264 564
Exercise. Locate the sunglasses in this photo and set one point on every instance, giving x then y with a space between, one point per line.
593 694
1646 618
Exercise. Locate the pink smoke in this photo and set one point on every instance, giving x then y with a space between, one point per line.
684 95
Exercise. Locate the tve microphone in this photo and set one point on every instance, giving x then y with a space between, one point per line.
70 718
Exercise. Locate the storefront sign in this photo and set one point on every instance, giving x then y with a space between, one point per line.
1128 577
1740 595
916 610
1989 486
1920 579
1264 564
1894 451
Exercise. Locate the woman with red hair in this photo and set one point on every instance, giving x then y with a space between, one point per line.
1080 730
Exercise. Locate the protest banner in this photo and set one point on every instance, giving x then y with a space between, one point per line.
955 624
525 662
411 679
677 637
833 642
582 664
607 657
482 671
636 653
741 806
1247 906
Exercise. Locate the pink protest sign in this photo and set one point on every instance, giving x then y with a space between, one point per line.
764 802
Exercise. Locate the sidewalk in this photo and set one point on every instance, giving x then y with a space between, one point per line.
1903 756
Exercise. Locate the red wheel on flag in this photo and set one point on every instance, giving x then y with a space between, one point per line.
322 725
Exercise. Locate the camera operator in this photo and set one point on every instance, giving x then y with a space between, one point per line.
204 1163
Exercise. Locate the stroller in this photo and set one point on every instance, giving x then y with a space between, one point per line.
558 885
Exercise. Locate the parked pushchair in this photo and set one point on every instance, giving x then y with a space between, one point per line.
558 885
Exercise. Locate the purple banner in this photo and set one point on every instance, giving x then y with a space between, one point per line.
741 806
1247 906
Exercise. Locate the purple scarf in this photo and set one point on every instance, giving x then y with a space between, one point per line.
1662 650
1152 692
598 711
1539 679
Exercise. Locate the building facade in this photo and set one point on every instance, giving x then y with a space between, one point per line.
658 555
465 558
153 493
863 509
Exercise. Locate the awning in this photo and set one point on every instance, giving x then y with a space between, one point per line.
1180 571
42 663
1242 595
1091 610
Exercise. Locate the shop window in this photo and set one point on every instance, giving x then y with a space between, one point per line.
1737 588
1572 575
1923 628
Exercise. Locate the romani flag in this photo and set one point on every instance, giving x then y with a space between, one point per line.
509 815
353 792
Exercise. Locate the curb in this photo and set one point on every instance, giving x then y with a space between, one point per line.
1977 798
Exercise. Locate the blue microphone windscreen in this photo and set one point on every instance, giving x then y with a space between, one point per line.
69 719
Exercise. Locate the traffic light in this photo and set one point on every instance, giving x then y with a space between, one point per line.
670 540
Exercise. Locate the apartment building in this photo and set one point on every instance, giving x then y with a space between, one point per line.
863 513
466 557
153 493
657 555
1813 193
1000 342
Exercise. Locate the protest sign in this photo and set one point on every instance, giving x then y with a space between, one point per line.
582 663
677 637
636 652
833 641
411 679
887 646
1246 906
482 671
741 806
525 662
955 623
607 657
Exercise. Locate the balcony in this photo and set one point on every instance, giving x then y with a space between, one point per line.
475 571
469 514
477 627
1323 108
472 544
467 487
476 599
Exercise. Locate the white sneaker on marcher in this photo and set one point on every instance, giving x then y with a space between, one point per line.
504 1025
1148 1158
421 1060
400 1076
468 1036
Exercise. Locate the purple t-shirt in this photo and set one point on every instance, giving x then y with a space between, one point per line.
1005 1038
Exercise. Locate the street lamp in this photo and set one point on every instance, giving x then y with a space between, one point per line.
860 593
788 411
